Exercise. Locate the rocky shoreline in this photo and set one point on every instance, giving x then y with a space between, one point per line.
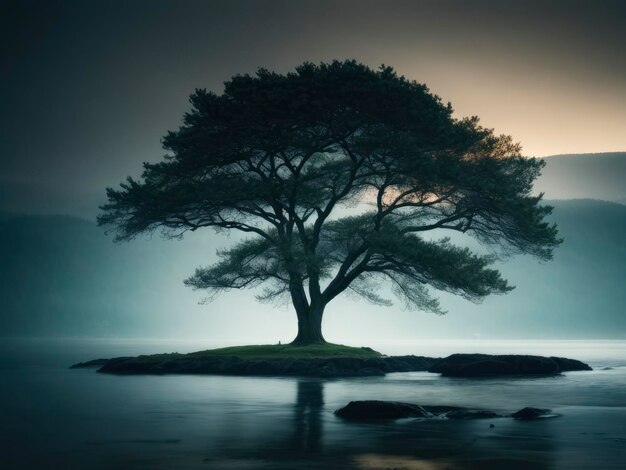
456 365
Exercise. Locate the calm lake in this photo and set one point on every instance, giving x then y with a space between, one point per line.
54 417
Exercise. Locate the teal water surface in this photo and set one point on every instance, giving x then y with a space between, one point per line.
55 417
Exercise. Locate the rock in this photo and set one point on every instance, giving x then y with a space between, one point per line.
92 363
326 367
460 365
477 365
531 413
459 413
566 364
378 410
409 363
172 364
372 410
130 365
463 414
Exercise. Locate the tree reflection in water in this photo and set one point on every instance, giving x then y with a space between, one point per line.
307 415
306 435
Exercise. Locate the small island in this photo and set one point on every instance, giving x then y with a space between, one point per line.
329 360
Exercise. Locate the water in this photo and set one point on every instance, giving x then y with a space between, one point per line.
54 417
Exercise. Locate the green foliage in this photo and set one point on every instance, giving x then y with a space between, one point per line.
269 351
277 155
289 351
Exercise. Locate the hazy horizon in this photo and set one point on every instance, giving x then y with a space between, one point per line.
90 88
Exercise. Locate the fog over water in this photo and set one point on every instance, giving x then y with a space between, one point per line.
63 277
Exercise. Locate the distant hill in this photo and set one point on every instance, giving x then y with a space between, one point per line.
581 293
61 276
593 176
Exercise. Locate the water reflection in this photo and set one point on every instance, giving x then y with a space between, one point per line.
307 415
312 437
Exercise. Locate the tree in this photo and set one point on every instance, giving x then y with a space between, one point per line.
337 171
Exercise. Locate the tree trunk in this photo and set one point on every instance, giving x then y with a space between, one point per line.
310 326
309 315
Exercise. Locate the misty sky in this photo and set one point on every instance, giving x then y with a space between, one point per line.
89 88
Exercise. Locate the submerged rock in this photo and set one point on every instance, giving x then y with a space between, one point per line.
532 413
377 410
477 365
464 413
380 410
92 363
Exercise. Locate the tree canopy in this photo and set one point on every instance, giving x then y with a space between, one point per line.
337 171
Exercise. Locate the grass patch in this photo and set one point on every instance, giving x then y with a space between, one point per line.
288 351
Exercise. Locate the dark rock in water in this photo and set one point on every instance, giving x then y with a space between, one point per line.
459 413
92 363
531 413
373 410
462 414
380 410
566 364
409 363
477 365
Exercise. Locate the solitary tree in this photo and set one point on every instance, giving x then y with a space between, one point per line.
336 170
